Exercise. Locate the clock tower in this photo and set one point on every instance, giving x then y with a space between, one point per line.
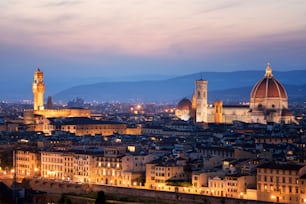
38 88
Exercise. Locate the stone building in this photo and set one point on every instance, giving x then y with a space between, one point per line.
281 183
268 103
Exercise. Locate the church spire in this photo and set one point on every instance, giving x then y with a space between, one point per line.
268 71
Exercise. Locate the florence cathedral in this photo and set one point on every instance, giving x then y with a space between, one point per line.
268 103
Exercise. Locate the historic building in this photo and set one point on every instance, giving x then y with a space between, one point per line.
38 88
268 103
73 120
184 111
201 101
281 183
269 100
36 118
27 163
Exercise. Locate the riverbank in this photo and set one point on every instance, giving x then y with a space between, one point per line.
86 193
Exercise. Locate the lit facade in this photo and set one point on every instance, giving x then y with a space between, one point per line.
105 129
184 110
157 175
57 165
218 111
221 185
38 89
83 167
269 100
268 103
35 118
27 163
280 183
201 100
108 170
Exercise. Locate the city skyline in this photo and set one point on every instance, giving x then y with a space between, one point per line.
121 40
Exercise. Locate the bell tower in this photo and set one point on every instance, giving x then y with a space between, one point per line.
38 88
201 100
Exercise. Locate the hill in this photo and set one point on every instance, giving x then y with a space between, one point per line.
228 86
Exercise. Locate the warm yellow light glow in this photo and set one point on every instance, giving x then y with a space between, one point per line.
131 148
273 196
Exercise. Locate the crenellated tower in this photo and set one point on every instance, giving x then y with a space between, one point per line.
38 88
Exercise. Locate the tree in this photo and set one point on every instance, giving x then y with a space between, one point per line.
64 200
100 198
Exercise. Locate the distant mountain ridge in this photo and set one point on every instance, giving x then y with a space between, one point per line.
226 86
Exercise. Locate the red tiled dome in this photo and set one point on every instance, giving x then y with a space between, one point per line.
184 104
268 87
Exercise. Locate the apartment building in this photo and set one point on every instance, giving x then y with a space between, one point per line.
27 163
280 183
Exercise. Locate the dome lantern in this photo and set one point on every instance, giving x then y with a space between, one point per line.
268 71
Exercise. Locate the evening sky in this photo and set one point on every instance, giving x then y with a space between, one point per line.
103 40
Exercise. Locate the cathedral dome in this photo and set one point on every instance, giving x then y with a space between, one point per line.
269 100
184 104
268 87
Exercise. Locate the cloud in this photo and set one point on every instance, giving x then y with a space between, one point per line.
222 6
64 3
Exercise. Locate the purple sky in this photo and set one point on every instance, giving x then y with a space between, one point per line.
102 40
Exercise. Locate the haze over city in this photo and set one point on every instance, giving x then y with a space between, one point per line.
94 41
